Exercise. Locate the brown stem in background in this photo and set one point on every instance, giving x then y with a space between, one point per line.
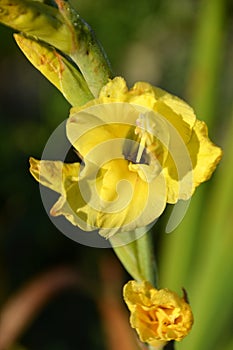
22 307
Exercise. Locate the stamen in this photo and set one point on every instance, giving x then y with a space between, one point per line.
146 139
141 148
146 147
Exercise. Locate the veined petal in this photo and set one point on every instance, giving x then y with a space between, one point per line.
55 175
74 207
64 179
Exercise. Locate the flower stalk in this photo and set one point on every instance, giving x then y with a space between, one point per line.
146 258
137 256
127 254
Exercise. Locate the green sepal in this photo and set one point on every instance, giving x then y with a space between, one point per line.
57 69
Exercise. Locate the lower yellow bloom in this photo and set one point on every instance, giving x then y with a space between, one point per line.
141 148
157 315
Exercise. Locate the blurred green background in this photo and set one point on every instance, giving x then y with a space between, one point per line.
184 47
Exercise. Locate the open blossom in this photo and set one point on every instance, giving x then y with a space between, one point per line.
157 315
140 149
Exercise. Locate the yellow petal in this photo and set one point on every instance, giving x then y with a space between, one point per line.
175 110
115 90
64 179
177 105
204 157
208 155
54 174
130 201
99 123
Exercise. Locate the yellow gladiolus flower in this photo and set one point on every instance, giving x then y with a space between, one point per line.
157 315
140 149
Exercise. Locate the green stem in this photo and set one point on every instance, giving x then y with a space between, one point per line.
87 53
127 254
137 256
146 258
